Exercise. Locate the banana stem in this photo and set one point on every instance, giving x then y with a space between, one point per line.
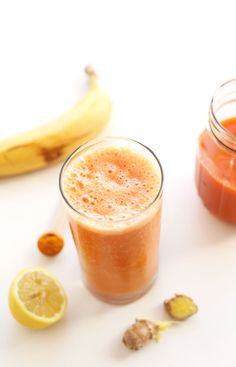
92 76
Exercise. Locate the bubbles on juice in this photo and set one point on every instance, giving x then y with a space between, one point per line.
85 198
110 184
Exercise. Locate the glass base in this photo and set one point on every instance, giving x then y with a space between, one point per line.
124 299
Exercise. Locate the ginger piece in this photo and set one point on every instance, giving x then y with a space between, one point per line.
180 307
136 336
50 244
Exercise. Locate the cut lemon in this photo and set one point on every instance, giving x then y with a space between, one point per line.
36 299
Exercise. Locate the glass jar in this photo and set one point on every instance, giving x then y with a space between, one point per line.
216 155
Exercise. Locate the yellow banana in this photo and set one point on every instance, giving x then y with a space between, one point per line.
52 142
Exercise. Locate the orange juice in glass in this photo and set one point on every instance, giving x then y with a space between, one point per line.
112 190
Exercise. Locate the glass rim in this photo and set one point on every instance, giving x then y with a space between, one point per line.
97 141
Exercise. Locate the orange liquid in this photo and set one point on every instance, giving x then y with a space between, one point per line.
118 240
216 175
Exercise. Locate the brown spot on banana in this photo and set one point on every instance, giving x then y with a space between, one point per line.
55 153
52 154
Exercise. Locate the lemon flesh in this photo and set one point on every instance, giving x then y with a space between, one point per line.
36 299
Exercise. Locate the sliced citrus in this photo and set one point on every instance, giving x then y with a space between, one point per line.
36 299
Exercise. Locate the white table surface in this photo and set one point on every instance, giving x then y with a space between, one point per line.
161 62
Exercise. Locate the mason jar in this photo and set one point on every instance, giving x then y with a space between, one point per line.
216 155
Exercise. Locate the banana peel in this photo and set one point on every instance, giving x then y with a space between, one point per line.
55 140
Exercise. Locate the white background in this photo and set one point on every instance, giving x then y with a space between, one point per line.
161 62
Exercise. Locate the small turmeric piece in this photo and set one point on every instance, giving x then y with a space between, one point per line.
180 307
136 336
50 244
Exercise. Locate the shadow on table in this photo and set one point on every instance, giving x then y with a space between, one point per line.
187 223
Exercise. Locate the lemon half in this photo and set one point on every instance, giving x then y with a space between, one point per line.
36 299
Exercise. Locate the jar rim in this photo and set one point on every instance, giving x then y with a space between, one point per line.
224 136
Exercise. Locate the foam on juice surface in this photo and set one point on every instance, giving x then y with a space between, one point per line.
110 183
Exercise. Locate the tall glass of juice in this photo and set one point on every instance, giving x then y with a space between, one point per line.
112 190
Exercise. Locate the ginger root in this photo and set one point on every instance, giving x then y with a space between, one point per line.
180 307
50 244
136 336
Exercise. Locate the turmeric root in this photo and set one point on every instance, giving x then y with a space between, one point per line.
180 307
50 244
136 336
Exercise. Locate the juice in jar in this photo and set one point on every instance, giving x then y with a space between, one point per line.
216 174
113 192
216 157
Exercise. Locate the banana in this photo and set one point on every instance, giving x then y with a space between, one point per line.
54 141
